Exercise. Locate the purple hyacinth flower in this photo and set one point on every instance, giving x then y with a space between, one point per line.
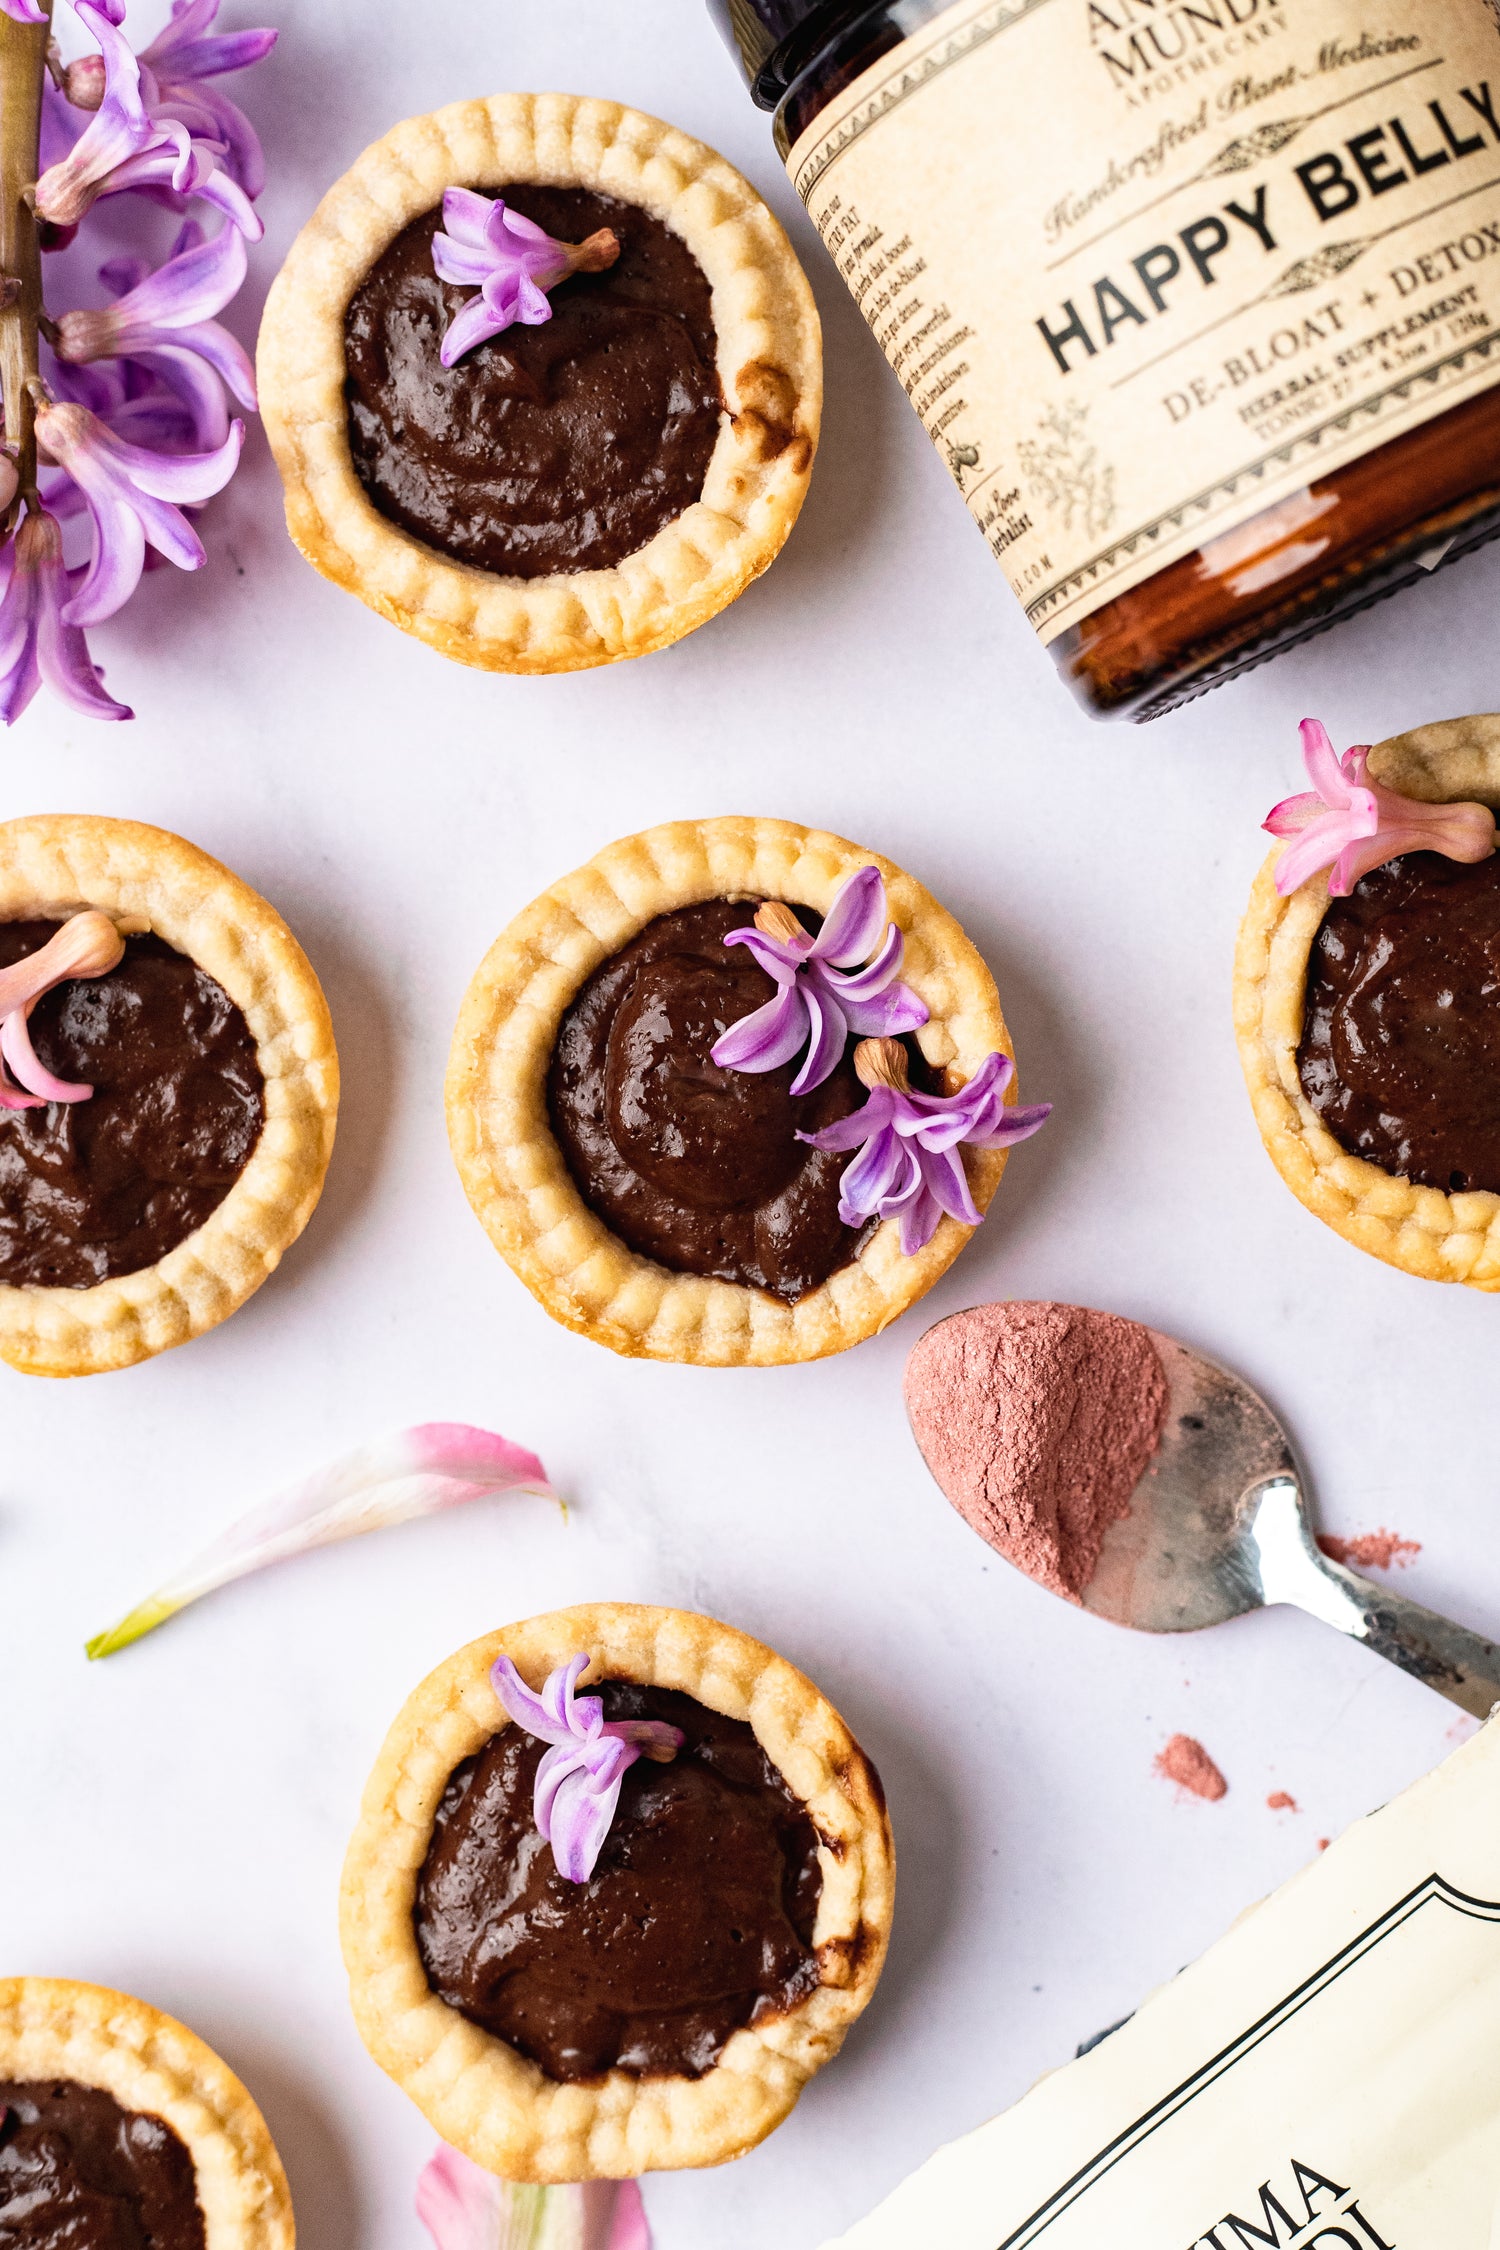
909 1167
127 144
38 642
22 11
130 492
177 62
578 1782
823 991
511 261
163 322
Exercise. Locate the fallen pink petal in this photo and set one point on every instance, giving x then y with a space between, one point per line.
418 1472
466 2208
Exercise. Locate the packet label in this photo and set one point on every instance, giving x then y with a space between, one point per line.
1329 2073
1150 268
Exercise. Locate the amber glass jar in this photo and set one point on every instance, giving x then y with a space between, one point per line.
1269 576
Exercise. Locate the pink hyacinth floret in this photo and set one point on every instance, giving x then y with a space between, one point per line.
578 1782
163 323
136 139
38 640
22 11
1350 824
132 495
511 261
841 981
909 1167
87 945
465 2208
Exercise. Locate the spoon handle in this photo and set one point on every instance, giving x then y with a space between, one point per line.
1461 1665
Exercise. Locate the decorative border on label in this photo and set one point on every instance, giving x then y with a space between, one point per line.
1215 498
1434 1891
910 79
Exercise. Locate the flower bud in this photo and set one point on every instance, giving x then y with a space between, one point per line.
83 82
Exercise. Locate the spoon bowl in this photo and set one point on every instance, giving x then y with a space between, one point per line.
1218 1525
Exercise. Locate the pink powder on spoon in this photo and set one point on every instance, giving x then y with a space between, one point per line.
1038 1421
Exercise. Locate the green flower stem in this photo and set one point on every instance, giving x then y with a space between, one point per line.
23 62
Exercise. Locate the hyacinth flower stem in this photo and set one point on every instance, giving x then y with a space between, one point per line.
23 64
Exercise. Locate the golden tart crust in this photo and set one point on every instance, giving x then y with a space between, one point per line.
148 879
1424 1231
477 2092
513 1170
769 362
53 2028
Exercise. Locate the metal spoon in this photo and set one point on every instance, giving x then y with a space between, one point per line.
1218 1525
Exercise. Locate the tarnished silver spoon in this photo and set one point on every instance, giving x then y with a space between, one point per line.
1218 1525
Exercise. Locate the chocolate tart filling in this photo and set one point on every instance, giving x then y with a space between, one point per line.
93 1189
563 447
1400 1049
697 1167
78 2172
698 1917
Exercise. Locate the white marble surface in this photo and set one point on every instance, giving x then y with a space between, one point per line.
174 1819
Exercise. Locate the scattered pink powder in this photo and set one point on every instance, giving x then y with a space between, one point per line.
1280 1800
1188 1764
1324 1842
1373 1550
1038 1421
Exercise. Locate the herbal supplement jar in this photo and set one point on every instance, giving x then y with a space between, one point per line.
1200 299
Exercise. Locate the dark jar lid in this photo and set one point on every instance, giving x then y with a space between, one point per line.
775 40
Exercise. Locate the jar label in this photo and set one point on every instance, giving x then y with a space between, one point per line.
1148 269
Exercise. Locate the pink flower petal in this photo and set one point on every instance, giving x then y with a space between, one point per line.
473 324
889 1015
395 1480
1292 815
854 922
583 1805
525 1707
768 1037
781 958
465 2208
29 1072
1324 771
921 1215
882 966
829 1033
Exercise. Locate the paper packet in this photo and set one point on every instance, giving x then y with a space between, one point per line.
1329 2073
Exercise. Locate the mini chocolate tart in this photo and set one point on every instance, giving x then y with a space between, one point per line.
648 1198
119 2127
667 2010
1369 1030
566 494
147 1213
